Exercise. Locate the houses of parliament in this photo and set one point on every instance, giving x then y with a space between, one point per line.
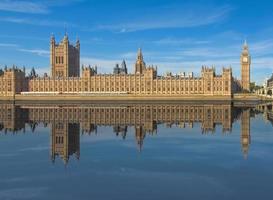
65 79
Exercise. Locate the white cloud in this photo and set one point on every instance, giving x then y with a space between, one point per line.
36 22
129 55
209 52
174 19
33 7
263 63
133 55
39 52
262 47
23 6
7 45
176 41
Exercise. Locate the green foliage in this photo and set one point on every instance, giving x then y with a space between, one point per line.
254 87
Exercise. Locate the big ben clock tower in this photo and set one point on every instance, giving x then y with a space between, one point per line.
245 68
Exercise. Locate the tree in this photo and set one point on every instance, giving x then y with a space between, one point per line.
254 87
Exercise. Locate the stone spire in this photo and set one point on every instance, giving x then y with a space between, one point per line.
65 37
245 47
77 43
65 30
52 38
123 64
245 44
65 34
140 65
139 55
124 67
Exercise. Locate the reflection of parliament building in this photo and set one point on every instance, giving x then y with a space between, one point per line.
67 122
65 140
65 78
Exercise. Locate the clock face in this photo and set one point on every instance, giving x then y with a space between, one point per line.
245 59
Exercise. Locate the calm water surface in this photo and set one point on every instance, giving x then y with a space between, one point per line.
136 151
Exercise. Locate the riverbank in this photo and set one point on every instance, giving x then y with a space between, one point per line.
131 98
117 98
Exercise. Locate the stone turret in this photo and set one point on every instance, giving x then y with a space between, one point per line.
13 81
124 67
120 70
88 71
64 58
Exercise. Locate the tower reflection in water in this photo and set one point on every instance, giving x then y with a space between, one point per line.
67 121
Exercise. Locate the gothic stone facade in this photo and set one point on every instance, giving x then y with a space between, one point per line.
65 79
64 58
146 83
12 81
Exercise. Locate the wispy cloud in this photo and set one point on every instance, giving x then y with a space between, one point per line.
31 6
22 37
16 47
175 19
39 52
209 52
23 6
8 45
262 47
37 22
263 63
178 41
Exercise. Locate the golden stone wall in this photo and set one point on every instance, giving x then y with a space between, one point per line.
137 84
64 58
12 82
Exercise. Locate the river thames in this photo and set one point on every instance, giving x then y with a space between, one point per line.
136 151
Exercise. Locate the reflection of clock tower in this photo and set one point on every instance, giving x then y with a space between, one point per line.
245 68
245 131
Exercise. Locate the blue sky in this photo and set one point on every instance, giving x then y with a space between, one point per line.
175 35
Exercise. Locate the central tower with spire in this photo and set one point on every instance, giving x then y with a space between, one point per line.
140 65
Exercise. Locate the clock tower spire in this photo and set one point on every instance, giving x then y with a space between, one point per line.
245 68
